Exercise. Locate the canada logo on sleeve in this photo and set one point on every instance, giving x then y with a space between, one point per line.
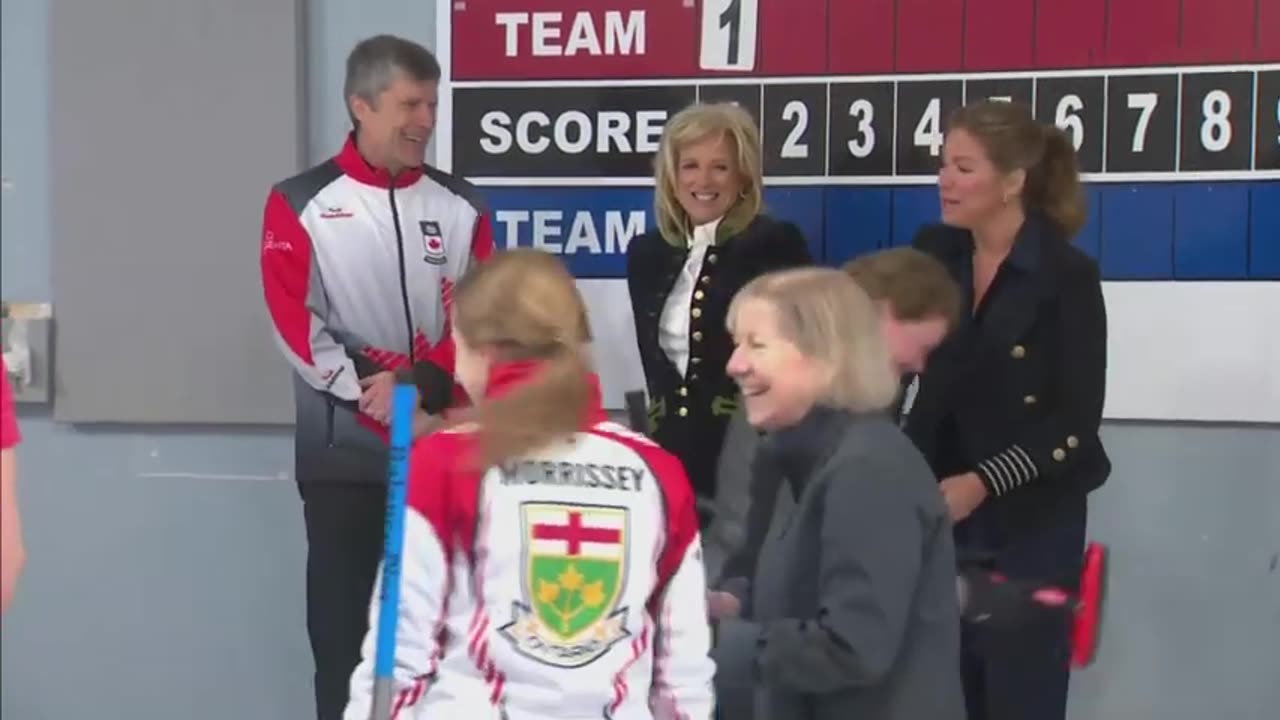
432 242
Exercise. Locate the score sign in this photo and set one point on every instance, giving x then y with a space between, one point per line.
554 110
1126 125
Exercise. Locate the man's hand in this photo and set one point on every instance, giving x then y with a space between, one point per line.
721 605
963 493
375 400
424 424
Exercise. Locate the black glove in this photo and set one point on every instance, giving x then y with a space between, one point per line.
435 385
991 600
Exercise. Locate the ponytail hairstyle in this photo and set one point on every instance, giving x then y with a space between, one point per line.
524 306
1014 140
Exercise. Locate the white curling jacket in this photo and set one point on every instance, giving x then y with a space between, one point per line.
566 584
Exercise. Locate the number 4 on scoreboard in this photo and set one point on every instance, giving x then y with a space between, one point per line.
928 132
729 34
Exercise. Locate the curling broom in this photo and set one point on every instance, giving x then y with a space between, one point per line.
1086 630
403 405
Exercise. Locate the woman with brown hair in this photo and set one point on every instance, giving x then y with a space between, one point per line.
1009 407
712 237
552 562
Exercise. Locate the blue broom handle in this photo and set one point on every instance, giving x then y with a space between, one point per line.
403 407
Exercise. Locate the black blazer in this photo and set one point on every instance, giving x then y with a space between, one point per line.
1016 392
688 416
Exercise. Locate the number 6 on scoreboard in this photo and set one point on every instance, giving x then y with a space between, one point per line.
729 34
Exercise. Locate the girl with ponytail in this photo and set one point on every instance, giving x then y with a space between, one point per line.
1009 407
552 564
522 317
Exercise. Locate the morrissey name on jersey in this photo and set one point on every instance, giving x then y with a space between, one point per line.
588 475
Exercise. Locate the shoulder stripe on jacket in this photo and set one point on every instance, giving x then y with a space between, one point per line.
301 188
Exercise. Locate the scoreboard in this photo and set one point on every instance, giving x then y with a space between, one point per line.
1126 124
554 108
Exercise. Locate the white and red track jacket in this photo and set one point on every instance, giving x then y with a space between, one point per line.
566 584
357 269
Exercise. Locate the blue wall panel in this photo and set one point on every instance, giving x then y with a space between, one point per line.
1089 239
1137 232
586 226
1264 231
913 207
859 221
1140 231
802 206
1211 231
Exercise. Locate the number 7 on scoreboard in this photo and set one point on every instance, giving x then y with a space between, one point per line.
729 34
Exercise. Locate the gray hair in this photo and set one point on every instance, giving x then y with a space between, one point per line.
374 62
833 320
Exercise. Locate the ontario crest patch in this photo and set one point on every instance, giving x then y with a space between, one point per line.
575 570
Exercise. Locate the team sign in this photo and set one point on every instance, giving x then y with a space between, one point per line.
558 107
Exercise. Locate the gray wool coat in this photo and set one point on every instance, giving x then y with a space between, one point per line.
850 610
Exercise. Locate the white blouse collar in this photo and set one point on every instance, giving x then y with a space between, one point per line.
704 234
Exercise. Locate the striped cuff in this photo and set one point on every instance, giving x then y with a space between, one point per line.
1007 471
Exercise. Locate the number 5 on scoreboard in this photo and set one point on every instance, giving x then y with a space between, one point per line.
729 34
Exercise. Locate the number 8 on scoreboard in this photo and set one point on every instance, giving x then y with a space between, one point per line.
729 34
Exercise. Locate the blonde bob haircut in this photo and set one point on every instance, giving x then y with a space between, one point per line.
698 122
832 320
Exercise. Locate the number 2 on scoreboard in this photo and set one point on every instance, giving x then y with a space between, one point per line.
729 34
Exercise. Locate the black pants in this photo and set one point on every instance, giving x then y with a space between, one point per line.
345 526
1023 673
699 453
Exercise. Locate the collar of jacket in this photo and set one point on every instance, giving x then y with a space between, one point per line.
507 376
1028 244
731 224
354 164
796 450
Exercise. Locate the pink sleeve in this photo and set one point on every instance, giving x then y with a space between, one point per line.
9 434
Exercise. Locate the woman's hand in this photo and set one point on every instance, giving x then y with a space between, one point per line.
721 605
963 493
13 553
13 557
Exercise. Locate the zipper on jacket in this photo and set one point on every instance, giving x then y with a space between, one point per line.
404 283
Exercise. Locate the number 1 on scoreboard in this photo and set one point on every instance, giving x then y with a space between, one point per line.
729 34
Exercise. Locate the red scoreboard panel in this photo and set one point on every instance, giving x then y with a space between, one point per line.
529 39
580 39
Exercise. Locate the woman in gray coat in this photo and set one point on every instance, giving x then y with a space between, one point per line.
852 612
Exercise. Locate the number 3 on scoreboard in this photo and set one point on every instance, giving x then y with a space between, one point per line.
729 34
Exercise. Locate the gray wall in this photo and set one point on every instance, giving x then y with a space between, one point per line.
191 234
166 565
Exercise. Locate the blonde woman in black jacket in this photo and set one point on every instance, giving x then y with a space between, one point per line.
712 237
